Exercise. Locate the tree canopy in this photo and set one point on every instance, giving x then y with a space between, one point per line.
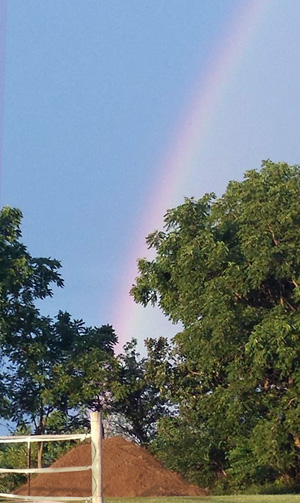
220 403
23 279
137 403
228 269
54 370
51 369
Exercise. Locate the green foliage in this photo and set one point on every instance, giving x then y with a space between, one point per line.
23 278
52 370
136 401
229 270
12 456
55 375
188 450
15 455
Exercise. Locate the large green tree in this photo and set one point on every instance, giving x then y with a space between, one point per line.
23 279
52 371
136 402
228 269
56 374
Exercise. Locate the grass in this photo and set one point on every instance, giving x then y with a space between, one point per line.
257 498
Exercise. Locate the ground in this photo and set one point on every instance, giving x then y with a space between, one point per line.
128 471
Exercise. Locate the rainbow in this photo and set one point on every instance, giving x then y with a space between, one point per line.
181 158
3 15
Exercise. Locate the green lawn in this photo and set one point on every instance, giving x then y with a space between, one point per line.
288 498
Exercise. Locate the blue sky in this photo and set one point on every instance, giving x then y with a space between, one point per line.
94 93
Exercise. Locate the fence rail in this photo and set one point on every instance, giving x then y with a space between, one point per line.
46 470
43 438
95 467
43 498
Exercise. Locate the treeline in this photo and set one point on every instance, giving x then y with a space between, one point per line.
220 403
55 370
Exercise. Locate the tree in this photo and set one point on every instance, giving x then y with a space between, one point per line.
58 374
52 370
228 268
136 403
23 278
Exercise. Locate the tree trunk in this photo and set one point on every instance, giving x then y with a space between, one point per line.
40 453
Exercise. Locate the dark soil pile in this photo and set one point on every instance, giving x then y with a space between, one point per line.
128 471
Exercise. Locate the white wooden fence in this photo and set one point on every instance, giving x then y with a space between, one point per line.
95 467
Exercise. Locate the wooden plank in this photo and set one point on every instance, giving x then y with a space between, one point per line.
45 498
43 438
46 470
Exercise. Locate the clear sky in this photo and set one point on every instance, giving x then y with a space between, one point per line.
115 110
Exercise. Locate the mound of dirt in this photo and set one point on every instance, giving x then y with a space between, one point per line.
128 471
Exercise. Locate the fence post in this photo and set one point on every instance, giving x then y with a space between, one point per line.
96 446
28 466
